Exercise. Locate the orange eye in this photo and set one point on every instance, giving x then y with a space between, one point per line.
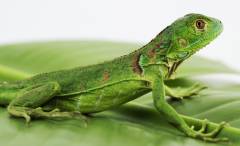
200 24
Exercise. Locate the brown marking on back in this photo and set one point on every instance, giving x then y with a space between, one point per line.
158 45
82 87
151 53
106 76
135 63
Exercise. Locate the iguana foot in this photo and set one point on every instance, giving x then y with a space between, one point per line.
56 113
211 136
27 113
183 92
19 112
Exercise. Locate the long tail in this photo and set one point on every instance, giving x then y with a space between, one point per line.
8 92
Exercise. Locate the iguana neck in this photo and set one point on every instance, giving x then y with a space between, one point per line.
136 62
153 53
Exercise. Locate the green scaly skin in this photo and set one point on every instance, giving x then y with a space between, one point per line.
90 89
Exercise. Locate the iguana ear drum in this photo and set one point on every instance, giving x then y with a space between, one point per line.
182 42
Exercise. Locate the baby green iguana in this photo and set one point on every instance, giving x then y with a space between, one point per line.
95 88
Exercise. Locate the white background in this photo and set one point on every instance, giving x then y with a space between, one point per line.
122 20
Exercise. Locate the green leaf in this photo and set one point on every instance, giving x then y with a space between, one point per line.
136 123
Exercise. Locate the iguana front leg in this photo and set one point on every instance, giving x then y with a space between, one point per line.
182 92
172 116
29 103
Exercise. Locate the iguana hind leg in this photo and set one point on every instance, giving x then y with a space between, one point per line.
29 103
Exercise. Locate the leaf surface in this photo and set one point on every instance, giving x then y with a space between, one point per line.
136 123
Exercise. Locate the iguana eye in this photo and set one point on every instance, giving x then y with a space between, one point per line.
200 24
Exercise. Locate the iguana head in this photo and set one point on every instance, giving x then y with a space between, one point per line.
180 40
191 33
